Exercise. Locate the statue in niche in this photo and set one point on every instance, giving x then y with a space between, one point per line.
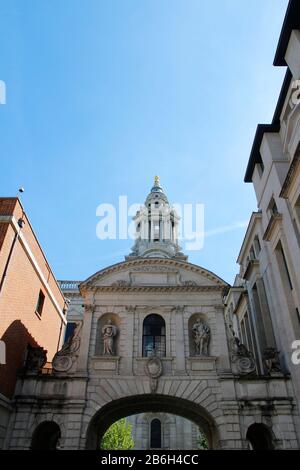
109 332
201 336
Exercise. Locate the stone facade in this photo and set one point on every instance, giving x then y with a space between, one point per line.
193 367
157 337
176 433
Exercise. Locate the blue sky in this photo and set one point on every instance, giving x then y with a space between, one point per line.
103 95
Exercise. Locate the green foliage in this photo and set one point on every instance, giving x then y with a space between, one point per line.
118 436
202 441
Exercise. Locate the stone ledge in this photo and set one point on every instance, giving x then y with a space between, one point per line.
106 363
202 362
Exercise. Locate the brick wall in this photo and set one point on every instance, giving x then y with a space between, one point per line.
20 325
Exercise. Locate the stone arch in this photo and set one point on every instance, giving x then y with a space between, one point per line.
192 319
260 437
46 436
102 320
152 403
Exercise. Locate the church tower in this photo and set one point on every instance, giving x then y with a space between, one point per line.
156 225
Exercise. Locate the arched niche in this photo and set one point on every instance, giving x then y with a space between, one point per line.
101 323
192 320
260 437
46 436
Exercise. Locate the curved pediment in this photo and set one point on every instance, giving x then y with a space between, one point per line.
151 273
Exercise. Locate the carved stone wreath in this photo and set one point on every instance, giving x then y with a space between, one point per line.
153 369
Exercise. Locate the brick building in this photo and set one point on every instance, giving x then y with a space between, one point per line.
32 306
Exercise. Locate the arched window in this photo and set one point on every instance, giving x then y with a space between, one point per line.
155 434
154 336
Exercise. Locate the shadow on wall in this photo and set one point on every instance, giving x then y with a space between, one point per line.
16 339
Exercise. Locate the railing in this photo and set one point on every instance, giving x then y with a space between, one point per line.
69 285
47 369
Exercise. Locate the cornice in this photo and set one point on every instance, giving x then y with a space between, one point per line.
156 289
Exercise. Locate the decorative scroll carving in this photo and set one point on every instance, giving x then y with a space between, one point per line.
153 369
241 357
36 358
64 359
271 360
201 336
109 332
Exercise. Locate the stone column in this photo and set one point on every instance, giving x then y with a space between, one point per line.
85 337
127 360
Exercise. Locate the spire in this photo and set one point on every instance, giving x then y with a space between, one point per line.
156 227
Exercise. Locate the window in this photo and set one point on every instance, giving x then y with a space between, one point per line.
257 246
156 231
40 303
155 434
252 254
283 264
297 213
154 336
272 208
69 330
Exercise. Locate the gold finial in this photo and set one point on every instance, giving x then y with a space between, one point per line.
156 181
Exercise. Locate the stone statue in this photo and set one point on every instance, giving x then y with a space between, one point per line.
271 360
201 335
109 332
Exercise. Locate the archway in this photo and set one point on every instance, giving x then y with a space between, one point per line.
46 436
151 403
260 437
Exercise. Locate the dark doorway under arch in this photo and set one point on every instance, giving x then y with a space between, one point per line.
155 434
260 437
151 403
46 436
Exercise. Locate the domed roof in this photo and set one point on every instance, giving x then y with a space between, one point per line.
156 193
